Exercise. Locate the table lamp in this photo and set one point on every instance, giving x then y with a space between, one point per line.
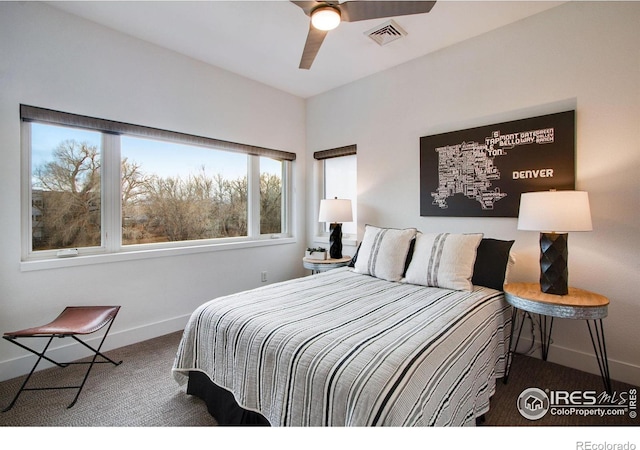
554 213
335 211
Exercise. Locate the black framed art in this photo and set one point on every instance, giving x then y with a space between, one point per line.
481 171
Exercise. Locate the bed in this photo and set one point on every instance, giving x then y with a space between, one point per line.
369 345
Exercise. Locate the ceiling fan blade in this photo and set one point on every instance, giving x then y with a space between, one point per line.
307 6
311 47
353 11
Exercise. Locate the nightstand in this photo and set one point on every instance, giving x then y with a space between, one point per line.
322 265
577 304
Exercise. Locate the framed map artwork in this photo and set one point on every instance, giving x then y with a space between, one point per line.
481 172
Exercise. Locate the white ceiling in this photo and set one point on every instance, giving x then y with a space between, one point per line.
263 39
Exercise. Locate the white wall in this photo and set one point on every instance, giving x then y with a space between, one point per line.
582 56
54 60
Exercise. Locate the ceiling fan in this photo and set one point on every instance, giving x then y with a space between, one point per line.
327 15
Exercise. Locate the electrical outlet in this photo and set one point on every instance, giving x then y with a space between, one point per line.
263 276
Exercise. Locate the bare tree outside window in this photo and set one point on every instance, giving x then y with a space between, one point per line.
270 196
196 207
183 194
66 198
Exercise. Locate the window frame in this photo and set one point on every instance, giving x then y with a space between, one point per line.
286 177
322 234
112 248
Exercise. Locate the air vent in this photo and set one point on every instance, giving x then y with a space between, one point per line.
385 33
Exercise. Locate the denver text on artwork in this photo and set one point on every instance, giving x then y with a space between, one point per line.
481 172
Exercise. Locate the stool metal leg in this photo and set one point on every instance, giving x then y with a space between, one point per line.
40 357
96 351
600 349
93 361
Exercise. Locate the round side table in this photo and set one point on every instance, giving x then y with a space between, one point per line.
577 304
322 265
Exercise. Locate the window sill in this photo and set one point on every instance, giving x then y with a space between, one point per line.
55 263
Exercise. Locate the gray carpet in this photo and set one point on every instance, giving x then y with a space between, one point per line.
142 393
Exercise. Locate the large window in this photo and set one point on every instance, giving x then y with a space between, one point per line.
99 191
339 169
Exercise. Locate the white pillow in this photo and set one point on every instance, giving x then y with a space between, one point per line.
383 252
444 260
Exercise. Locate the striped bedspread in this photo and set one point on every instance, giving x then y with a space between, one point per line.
345 349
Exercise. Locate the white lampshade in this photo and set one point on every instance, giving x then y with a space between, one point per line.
335 211
555 211
325 18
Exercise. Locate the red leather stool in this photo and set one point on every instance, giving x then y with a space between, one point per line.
73 321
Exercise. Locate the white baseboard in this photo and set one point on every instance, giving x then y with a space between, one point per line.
586 362
69 350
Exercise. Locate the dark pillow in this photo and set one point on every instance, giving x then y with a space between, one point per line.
490 267
412 246
352 263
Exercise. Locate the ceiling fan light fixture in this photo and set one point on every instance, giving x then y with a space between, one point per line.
325 18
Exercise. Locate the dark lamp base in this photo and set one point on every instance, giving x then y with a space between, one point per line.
335 241
554 274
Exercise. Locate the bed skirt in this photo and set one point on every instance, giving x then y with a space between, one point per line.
221 404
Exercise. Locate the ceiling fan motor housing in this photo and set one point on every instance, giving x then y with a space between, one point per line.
325 17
